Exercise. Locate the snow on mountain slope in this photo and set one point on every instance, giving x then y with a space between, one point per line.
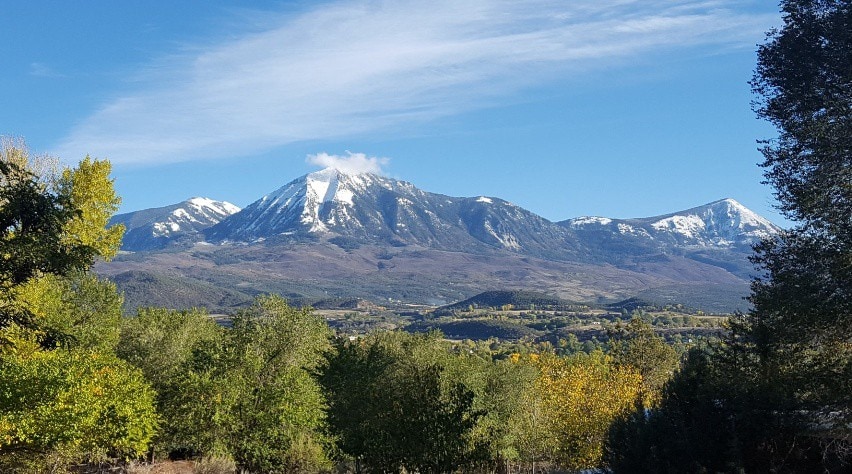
351 209
154 228
193 215
722 223
372 208
319 203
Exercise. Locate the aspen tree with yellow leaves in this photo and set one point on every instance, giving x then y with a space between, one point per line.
568 411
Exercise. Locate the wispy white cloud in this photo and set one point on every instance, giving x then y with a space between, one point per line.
43 70
354 67
351 163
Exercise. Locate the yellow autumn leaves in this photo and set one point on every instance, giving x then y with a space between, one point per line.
91 192
568 410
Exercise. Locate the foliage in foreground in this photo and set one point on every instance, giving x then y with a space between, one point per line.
74 404
569 408
398 400
65 397
246 393
393 404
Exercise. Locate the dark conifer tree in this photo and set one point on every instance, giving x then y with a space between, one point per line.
800 329
777 395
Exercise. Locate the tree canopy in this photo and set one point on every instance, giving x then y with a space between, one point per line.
801 327
50 224
66 398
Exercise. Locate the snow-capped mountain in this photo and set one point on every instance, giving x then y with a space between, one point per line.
352 209
154 228
333 232
376 209
721 224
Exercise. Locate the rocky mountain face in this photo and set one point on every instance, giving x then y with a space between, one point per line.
723 224
367 208
720 233
152 229
364 235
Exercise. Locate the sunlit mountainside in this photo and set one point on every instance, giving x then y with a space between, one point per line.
366 235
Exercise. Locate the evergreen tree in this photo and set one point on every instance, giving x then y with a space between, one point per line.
775 396
800 330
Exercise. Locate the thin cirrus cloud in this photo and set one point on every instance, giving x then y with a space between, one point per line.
42 70
356 67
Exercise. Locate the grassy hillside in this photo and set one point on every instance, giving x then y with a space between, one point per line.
517 299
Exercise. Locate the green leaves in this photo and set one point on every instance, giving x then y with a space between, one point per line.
53 226
277 417
84 404
31 228
245 392
801 325
75 311
49 226
635 345
804 84
399 401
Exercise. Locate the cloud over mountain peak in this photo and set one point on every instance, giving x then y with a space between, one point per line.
350 163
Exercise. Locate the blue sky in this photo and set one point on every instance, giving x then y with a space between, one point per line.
620 108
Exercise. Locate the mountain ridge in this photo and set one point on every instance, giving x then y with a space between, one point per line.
374 208
368 208
738 226
329 233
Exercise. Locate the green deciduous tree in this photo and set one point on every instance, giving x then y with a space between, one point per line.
50 225
65 397
31 228
161 342
69 406
167 346
396 401
277 422
499 387
636 345
247 392
90 193
77 311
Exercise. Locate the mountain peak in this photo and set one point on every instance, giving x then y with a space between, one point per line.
154 228
724 222
341 170
730 204
316 203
